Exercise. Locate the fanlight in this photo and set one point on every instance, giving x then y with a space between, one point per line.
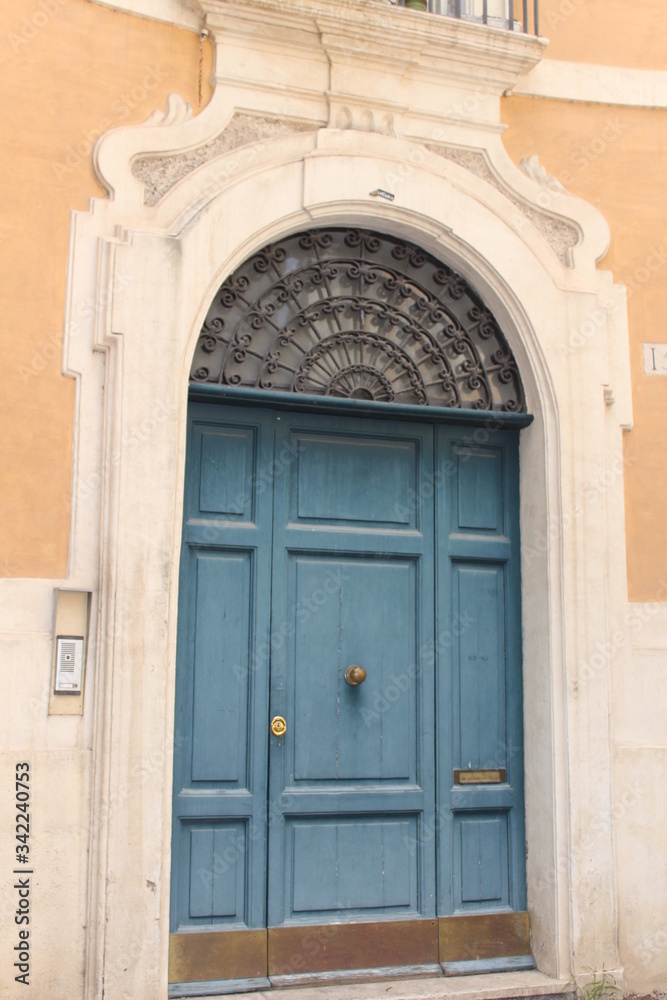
356 314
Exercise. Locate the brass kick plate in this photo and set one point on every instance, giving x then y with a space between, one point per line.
210 956
330 947
472 937
480 777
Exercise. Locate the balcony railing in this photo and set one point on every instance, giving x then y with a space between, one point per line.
512 15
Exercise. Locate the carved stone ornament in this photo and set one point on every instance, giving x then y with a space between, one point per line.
160 172
561 235
356 314
532 168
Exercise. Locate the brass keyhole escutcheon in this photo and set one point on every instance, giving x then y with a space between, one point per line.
355 675
278 726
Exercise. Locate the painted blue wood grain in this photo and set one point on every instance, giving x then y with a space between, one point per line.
346 615
222 674
225 463
310 543
482 856
347 866
217 854
368 480
479 668
480 492
220 712
350 597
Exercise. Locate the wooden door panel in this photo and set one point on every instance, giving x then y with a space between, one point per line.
226 463
369 479
479 667
480 475
338 734
217 871
221 679
351 865
481 861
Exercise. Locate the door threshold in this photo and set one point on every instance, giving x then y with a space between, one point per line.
531 985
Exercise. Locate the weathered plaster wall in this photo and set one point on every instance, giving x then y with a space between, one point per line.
608 32
69 70
616 159
639 812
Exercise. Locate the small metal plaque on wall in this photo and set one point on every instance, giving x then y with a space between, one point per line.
655 359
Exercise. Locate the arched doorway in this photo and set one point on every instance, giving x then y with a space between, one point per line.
348 792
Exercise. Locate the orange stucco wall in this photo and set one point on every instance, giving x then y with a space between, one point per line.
616 158
69 70
609 32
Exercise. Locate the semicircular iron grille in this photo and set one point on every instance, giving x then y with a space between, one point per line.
352 313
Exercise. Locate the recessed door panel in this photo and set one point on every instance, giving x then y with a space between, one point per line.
217 853
369 480
346 866
480 493
224 615
479 667
482 864
226 461
345 615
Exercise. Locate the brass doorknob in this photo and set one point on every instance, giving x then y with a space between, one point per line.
278 726
355 675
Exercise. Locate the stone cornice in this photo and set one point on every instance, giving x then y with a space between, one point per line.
374 61
615 85
376 32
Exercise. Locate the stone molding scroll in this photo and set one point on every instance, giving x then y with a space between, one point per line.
561 235
532 168
160 172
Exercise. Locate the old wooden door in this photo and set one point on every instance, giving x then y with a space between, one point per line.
328 818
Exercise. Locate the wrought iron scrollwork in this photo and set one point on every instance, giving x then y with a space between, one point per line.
357 314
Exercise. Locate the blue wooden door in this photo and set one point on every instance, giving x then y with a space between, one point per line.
313 543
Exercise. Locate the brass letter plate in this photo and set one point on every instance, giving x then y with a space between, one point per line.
481 777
